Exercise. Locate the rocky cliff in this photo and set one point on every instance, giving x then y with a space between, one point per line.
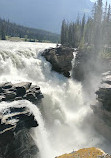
60 59
102 107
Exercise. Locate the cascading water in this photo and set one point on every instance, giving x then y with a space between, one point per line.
64 113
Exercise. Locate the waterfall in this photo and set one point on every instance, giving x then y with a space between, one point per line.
73 62
64 115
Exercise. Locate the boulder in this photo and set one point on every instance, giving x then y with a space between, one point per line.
60 58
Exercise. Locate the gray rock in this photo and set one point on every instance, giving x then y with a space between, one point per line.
104 93
6 85
31 97
60 58
21 88
102 108
2 98
10 95
19 91
15 137
26 85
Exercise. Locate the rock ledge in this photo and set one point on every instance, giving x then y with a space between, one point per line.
20 91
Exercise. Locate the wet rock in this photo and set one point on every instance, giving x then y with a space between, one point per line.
104 92
15 137
26 85
19 91
6 85
2 98
60 58
10 95
21 88
31 96
102 107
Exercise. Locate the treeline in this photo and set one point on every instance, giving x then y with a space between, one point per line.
95 30
13 30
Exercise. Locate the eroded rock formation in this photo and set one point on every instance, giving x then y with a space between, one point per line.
20 91
15 138
16 122
60 58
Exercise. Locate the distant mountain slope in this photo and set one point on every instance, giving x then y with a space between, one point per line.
14 30
43 14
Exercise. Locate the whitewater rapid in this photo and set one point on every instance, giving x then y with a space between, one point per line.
64 114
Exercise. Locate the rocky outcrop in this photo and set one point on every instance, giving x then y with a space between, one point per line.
16 122
19 91
102 107
15 138
60 58
86 153
104 92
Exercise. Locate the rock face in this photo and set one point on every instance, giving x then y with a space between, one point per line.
19 91
15 138
102 108
104 92
60 58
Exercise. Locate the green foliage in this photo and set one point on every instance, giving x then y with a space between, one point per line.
13 30
2 32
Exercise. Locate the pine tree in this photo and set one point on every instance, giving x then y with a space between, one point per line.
83 25
64 33
3 37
